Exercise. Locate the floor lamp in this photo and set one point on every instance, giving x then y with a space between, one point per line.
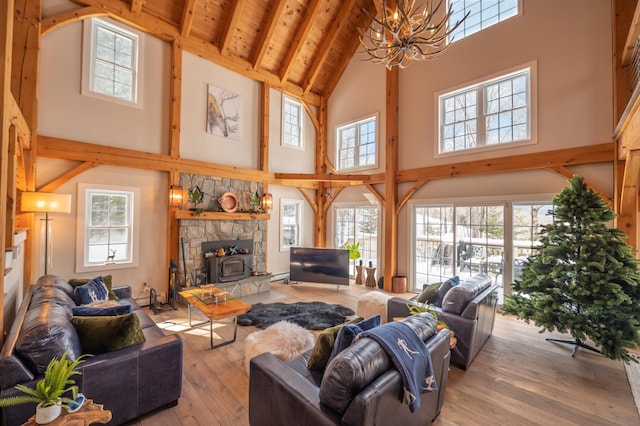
46 202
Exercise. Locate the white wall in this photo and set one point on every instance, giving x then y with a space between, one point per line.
572 49
64 112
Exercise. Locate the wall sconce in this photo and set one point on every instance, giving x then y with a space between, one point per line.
175 196
46 202
267 201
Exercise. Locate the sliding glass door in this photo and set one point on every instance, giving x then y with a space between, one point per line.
358 224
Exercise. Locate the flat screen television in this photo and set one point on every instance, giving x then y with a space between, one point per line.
319 265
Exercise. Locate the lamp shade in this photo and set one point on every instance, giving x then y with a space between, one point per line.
46 202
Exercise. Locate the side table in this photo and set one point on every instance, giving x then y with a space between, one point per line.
359 275
90 413
371 277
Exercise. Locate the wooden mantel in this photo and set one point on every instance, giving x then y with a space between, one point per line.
194 215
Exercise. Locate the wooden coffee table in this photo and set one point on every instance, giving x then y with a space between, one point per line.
216 305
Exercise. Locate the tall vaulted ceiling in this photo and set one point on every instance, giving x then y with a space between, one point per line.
299 46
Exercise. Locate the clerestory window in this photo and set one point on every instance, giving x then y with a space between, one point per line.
482 14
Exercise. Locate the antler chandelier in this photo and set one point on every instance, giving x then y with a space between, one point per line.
408 33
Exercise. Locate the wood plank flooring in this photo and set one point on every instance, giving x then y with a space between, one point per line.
517 379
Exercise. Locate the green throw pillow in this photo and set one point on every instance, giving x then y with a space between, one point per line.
75 282
429 293
105 334
324 345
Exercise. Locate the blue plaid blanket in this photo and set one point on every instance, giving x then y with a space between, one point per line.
411 358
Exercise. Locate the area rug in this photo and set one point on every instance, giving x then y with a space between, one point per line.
310 315
633 375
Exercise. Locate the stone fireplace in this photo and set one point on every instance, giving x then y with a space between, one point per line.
207 223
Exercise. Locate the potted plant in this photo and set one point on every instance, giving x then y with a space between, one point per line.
51 392
354 254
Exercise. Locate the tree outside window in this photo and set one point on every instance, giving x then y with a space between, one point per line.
290 221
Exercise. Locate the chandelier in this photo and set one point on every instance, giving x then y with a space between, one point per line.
408 33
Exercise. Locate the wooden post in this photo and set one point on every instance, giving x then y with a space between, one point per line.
175 96
391 170
322 201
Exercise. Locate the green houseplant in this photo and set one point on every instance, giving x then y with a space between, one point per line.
354 250
52 390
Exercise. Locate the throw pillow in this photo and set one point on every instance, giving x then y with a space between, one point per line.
105 334
89 311
444 288
429 293
91 291
75 282
324 345
348 334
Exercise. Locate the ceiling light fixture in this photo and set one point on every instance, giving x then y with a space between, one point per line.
407 32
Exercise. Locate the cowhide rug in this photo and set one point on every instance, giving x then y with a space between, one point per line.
310 315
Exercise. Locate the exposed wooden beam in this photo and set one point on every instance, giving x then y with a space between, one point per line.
20 123
339 22
417 185
136 6
322 177
299 39
265 113
633 32
563 171
56 183
333 196
188 13
310 199
233 15
375 193
54 22
79 151
175 105
629 195
591 154
269 26
311 114
390 229
211 52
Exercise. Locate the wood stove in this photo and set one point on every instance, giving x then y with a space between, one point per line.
236 264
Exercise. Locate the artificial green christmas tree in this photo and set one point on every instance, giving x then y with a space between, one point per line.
584 279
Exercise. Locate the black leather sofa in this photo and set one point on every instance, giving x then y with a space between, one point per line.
129 382
360 386
468 309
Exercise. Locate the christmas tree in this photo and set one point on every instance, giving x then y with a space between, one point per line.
584 279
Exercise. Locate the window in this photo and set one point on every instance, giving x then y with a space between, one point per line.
467 239
482 14
492 113
358 224
111 64
106 232
291 123
290 221
356 145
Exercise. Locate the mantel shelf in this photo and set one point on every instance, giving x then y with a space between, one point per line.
191 215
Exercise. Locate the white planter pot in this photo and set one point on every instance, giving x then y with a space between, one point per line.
48 414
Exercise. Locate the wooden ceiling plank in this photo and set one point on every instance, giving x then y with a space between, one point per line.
269 26
54 22
136 6
230 25
321 55
56 183
301 36
209 51
188 14
335 76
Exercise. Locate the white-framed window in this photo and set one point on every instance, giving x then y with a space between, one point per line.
489 114
111 63
292 123
482 14
357 144
479 237
358 224
107 232
290 224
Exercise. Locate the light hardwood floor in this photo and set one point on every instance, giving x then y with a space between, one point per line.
517 379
